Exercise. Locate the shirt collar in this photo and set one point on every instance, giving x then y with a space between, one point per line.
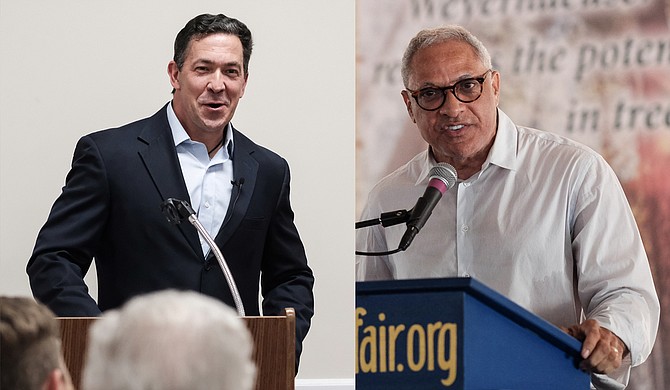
179 134
503 151
428 162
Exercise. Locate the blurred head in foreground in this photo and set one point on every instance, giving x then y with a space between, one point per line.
30 348
169 340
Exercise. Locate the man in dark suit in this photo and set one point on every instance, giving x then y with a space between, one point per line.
110 207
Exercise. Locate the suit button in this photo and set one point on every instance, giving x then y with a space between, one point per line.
208 265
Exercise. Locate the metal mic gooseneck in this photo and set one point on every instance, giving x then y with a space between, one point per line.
177 210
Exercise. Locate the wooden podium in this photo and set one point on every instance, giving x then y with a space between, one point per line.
456 333
274 348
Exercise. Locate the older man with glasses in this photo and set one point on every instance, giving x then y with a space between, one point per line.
537 217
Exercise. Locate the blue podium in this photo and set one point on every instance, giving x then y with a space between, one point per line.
456 333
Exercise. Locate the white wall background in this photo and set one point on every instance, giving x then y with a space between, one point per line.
71 67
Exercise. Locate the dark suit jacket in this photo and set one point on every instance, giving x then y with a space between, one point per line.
110 210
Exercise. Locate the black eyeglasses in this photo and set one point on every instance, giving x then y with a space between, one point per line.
466 91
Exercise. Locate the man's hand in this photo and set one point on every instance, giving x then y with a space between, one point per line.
602 350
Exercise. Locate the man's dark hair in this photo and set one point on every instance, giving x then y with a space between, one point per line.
207 24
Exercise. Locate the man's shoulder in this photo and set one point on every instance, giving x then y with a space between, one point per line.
246 145
548 143
405 176
157 121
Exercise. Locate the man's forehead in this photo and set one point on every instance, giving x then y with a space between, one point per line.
453 58
210 45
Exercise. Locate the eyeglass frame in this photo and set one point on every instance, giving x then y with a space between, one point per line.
479 80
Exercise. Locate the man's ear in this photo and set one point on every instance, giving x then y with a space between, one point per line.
57 380
495 84
408 104
244 87
173 73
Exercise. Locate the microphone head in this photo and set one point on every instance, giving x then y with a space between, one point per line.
442 176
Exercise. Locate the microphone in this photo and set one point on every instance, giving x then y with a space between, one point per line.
442 177
238 183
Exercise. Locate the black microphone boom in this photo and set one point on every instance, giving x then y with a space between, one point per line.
442 177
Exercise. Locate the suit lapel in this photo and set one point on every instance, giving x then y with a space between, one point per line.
159 156
244 167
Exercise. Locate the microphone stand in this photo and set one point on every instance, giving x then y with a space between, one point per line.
175 211
386 219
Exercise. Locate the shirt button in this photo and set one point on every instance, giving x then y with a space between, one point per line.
465 228
466 185
207 204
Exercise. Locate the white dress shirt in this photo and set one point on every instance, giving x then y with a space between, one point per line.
208 180
545 223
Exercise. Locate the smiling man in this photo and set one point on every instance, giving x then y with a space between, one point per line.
539 218
110 207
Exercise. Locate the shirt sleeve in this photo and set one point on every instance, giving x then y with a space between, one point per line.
614 280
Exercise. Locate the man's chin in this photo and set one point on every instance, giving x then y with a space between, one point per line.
216 124
216 128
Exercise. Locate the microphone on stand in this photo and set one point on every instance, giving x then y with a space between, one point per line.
176 210
442 177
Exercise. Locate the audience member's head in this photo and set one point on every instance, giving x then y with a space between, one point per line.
169 340
30 348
